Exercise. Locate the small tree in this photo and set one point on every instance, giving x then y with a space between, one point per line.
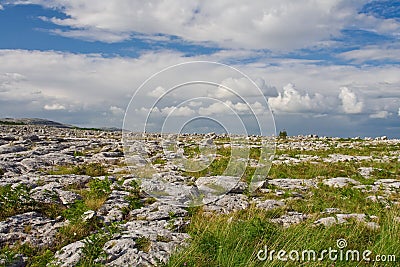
282 134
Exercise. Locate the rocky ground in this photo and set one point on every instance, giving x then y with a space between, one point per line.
68 197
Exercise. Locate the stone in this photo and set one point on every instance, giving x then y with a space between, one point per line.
5 149
343 218
290 218
67 197
227 204
119 247
340 182
388 183
327 221
88 215
29 227
215 186
269 204
69 255
331 210
158 211
365 171
292 184
373 226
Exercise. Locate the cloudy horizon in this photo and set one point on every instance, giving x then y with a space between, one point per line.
327 67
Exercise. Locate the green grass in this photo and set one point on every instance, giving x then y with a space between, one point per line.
11 123
18 200
91 169
347 199
235 239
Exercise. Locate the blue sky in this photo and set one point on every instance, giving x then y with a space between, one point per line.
330 68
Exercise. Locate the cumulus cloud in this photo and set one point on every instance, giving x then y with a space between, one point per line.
372 53
54 106
398 112
237 88
275 25
177 111
350 102
157 92
229 108
116 110
293 101
89 85
380 115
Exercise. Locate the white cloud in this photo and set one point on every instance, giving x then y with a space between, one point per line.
229 108
177 111
276 25
94 35
157 92
398 112
350 102
372 53
116 110
88 85
1 7
216 108
293 101
54 106
195 103
380 115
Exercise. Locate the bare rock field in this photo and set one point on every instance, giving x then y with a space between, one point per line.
68 196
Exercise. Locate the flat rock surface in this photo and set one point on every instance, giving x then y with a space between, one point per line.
46 164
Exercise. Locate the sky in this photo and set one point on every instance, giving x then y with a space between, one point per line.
328 67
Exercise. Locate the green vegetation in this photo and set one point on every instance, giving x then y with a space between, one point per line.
91 169
143 243
17 200
11 123
35 257
282 135
235 239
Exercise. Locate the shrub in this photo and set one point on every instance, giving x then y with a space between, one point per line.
75 212
91 169
15 200
100 187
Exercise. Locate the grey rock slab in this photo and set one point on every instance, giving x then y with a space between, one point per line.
373 226
292 184
388 183
239 188
69 255
30 227
227 204
290 218
158 211
119 247
88 215
327 221
339 182
5 149
269 204
343 218
365 171
124 251
214 186
331 210
68 197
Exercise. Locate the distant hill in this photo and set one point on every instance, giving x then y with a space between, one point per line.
33 121
44 122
